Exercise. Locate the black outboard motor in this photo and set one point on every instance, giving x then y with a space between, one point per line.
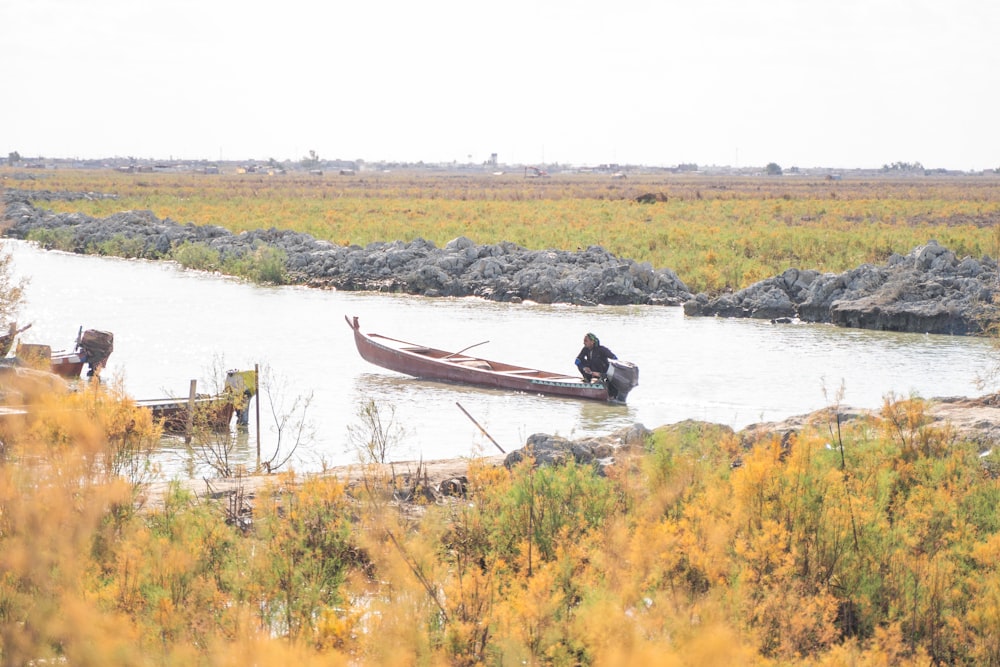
96 346
623 376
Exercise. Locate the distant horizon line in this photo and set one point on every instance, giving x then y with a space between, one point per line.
902 167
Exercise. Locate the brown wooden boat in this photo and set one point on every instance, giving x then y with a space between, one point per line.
432 364
213 412
68 364
92 349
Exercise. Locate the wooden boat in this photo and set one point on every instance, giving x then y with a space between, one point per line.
92 349
428 363
64 364
213 412
68 364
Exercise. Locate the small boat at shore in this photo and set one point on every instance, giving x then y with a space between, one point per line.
432 364
212 411
173 414
92 349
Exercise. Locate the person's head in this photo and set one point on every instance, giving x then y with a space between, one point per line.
590 340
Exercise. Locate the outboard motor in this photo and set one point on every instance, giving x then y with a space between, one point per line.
96 347
623 376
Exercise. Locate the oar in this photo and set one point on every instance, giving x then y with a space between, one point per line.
455 354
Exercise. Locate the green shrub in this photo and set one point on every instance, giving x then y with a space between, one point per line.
198 256
547 504
266 265
53 239
120 246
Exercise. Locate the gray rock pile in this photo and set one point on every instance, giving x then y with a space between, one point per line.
500 272
548 449
929 290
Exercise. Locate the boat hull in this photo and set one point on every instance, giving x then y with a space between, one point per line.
213 412
432 364
68 365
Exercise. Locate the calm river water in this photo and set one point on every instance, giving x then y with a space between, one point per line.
172 326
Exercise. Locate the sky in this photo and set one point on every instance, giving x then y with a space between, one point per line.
801 83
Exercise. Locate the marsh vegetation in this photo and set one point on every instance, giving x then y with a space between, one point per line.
869 542
715 233
872 542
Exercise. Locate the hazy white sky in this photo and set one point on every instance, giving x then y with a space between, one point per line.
852 83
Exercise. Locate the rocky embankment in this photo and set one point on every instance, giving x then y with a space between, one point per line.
499 272
929 290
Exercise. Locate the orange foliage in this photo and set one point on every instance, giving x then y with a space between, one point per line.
828 547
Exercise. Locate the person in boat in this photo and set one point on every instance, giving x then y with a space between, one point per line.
593 359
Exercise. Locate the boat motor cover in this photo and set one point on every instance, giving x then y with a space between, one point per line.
623 376
97 344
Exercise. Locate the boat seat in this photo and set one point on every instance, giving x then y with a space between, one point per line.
474 363
520 372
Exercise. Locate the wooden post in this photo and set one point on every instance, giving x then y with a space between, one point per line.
256 400
190 416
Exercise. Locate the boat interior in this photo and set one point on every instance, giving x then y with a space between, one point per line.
476 362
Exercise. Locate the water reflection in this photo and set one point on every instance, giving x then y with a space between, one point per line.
494 410
224 451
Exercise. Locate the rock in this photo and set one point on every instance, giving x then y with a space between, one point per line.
556 450
926 291
499 272
454 486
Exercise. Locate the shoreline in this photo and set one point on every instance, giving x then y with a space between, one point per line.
973 419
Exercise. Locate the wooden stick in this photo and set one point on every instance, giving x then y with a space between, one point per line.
480 427
190 420
256 400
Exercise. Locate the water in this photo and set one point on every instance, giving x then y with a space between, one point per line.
172 326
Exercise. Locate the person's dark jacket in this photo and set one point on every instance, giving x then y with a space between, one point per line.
596 359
